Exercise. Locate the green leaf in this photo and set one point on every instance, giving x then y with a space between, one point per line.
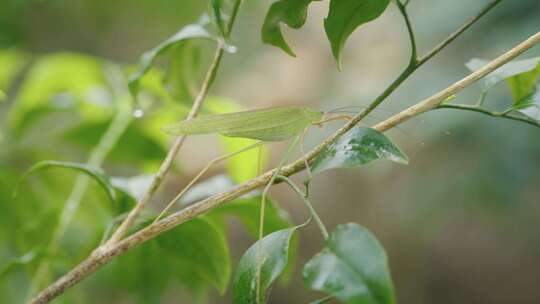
191 31
345 16
267 257
200 251
248 210
522 77
96 173
357 147
18 261
353 267
508 70
47 84
291 12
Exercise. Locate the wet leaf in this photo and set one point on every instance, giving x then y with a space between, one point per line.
267 257
353 267
291 12
357 147
345 16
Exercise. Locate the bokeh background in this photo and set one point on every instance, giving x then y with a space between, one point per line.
459 223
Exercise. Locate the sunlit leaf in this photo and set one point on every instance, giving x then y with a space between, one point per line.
508 70
11 62
357 147
267 258
353 267
95 173
64 81
345 16
291 12
191 31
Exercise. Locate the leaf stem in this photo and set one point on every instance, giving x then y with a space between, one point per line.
402 7
305 198
504 114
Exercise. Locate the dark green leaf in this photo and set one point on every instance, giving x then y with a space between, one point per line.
268 258
96 173
353 267
291 12
248 210
192 31
199 251
345 16
357 147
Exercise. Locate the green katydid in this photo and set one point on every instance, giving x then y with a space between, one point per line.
266 125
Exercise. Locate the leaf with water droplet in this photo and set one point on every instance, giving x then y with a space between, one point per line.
357 147
353 267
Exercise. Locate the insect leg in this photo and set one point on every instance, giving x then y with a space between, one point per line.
290 147
206 168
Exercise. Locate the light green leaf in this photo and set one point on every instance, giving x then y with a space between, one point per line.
64 81
267 257
199 251
2 96
508 70
96 173
291 12
357 147
353 267
191 31
345 16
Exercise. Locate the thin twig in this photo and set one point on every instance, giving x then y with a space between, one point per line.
100 258
177 145
415 63
505 114
402 7
308 204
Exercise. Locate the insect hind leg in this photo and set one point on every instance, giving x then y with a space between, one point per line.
202 172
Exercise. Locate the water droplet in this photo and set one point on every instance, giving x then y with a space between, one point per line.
138 113
231 49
